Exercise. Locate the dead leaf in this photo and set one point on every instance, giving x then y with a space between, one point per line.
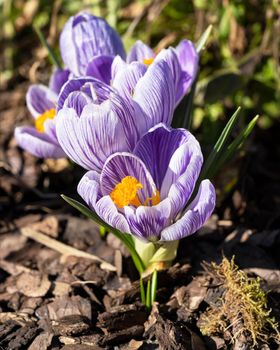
61 288
10 243
33 284
63 248
48 226
12 268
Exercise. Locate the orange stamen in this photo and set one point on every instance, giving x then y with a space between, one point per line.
125 193
40 121
148 61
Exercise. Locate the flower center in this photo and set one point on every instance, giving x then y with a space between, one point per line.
40 121
125 193
148 61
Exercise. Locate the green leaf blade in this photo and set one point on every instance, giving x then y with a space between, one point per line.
123 237
154 286
45 43
219 146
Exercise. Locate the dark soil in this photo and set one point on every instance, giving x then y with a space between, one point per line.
53 301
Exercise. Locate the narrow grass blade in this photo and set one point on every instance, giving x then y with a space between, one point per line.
142 292
123 237
236 144
154 287
223 152
44 42
219 147
203 39
148 295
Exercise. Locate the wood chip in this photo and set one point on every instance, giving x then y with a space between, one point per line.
122 335
33 284
81 347
19 318
41 342
20 338
65 306
189 297
123 316
71 325
171 335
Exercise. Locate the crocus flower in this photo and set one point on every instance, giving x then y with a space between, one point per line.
86 38
182 61
95 120
40 139
187 57
89 46
145 192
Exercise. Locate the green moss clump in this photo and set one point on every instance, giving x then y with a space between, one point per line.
242 309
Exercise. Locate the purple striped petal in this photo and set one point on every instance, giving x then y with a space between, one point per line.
170 57
88 189
100 68
188 58
91 138
195 216
85 36
107 210
174 159
183 170
148 222
99 92
72 85
157 147
77 100
50 130
37 143
139 52
58 79
120 165
118 65
126 79
155 95
39 99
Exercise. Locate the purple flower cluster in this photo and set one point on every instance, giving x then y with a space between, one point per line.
111 113
41 139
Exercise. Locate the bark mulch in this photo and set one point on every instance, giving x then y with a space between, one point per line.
64 299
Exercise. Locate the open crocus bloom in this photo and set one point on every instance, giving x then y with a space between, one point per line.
89 46
145 192
86 38
182 61
95 120
40 140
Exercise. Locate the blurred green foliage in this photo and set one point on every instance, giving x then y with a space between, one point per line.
240 66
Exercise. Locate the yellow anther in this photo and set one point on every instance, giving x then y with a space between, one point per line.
40 121
125 192
154 200
148 61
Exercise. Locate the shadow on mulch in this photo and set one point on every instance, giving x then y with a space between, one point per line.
48 301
